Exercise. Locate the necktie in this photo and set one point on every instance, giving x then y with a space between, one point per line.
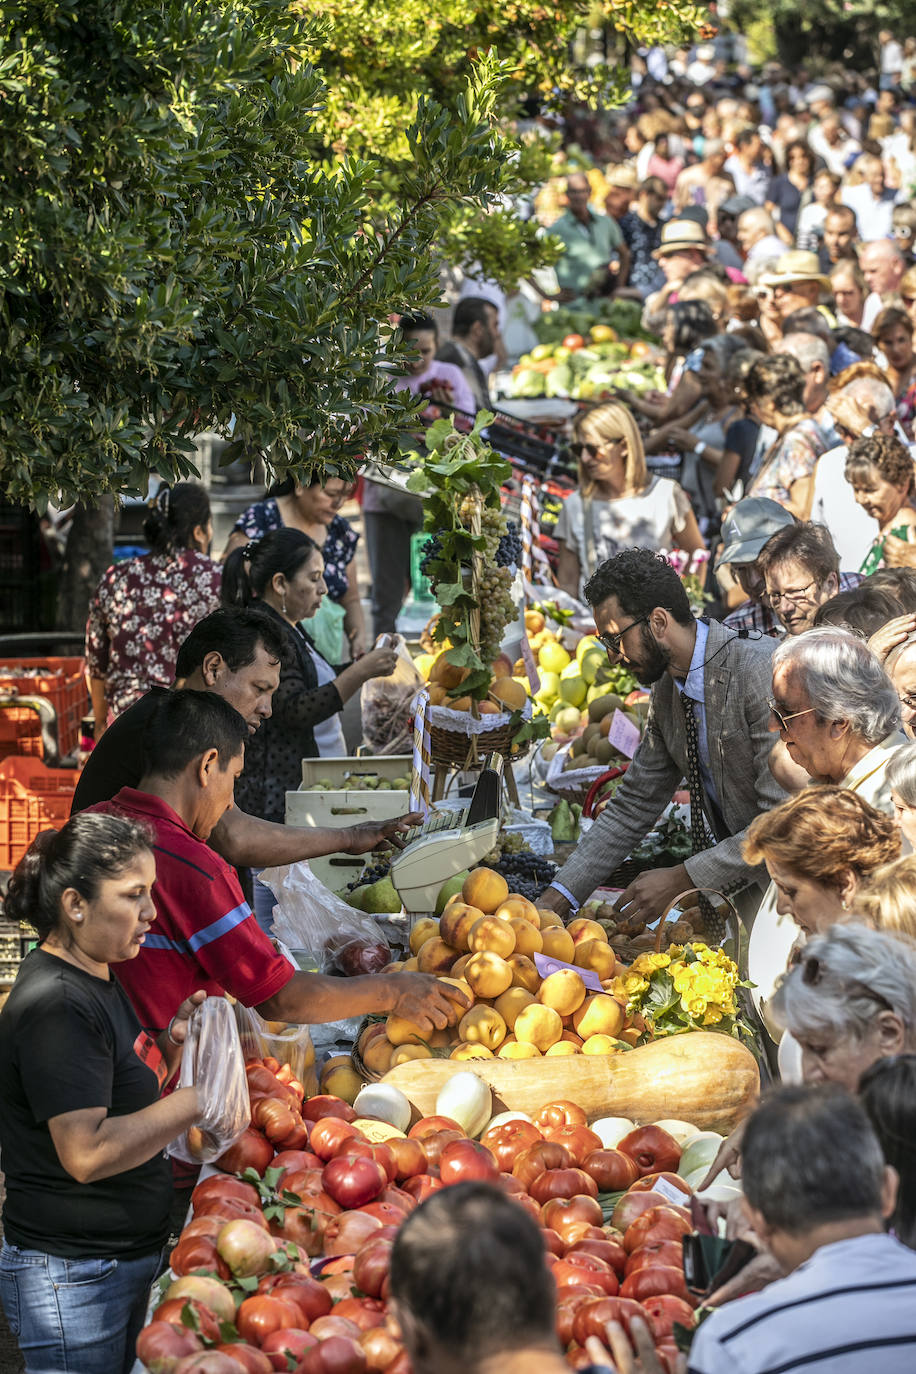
699 835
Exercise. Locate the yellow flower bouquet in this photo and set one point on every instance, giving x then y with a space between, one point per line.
689 987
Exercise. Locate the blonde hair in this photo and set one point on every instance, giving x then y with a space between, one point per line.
908 282
822 831
714 293
607 422
888 901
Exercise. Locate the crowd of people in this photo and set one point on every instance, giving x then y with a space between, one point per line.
766 227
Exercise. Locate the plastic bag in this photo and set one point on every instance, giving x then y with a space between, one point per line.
309 917
385 705
212 1061
288 1043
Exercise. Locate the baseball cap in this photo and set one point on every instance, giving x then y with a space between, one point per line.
748 526
736 205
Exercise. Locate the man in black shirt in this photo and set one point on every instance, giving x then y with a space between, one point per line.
475 330
237 654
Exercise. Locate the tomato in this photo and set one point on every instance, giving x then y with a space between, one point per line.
428 1125
649 1182
352 1182
467 1161
561 1213
328 1134
322 1105
421 1186
287 1341
612 1170
659 1223
198 1252
506 1142
576 1269
220 1186
253 1361
610 1250
339 1286
297 1137
365 1313
231 1208
379 1347
579 1140
206 1225
388 1213
653 1149
663 1310
398 1198
311 1297
308 1185
294 1161
252 1150
560 1114
263 1313
633 1205
573 342
569 1301
371 1266
263 1083
563 1183
554 1243
664 1252
337 1355
434 1143
528 1204
592 1317
410 1158
648 1283
344 1235
335 1326
188 1313
274 1117
537 1159
352 1149
303 1226
161 1344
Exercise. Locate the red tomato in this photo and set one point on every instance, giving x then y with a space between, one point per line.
506 1142
198 1252
274 1117
435 1142
222 1186
365 1313
569 1300
663 1310
579 1140
537 1159
648 1183
659 1223
253 1361
344 1235
612 1170
329 1133
398 1198
230 1208
206 1225
653 1149
379 1347
335 1326
297 1137
664 1252
303 1226
388 1213
352 1182
560 1113
285 1342
428 1125
365 1149
563 1183
573 341
175 1310
308 1185
421 1186
162 1344
467 1161
315 1108
562 1214
528 1204
312 1299
410 1158
554 1243
252 1150
610 1250
295 1161
575 1269
649 1283
593 1317
337 1355
260 1315
371 1266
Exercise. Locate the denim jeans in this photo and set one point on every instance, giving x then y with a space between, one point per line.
75 1316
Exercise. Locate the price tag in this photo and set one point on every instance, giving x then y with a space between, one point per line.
531 667
545 966
623 734
669 1192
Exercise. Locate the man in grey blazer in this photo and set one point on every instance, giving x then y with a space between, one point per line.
643 618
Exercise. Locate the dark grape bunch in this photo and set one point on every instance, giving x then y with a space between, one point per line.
371 874
526 873
431 550
509 548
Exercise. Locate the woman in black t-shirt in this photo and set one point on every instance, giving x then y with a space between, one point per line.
83 1127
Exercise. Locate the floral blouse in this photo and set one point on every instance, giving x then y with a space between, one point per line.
142 611
791 458
339 546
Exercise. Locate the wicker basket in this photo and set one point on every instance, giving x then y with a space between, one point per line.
658 939
461 750
369 1075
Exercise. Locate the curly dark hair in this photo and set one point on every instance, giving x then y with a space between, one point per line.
640 580
777 377
881 453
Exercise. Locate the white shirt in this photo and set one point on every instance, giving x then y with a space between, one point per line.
871 310
873 217
329 735
834 505
849 1309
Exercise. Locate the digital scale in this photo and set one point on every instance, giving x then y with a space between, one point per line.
448 842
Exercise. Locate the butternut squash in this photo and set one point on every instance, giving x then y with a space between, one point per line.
708 1079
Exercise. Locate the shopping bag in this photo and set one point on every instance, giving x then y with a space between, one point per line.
385 705
212 1061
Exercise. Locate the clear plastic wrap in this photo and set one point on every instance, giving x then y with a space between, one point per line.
385 705
213 1063
309 917
288 1043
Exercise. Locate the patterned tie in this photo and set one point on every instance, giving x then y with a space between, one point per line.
699 834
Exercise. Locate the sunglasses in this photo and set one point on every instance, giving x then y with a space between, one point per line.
613 642
784 719
579 451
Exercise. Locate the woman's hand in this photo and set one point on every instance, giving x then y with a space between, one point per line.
728 1157
178 1026
682 439
899 553
357 644
893 633
378 663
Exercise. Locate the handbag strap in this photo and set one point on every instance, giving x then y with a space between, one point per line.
588 520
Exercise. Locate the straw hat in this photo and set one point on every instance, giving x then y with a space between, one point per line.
796 265
622 176
681 234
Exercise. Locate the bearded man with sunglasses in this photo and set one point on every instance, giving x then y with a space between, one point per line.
643 619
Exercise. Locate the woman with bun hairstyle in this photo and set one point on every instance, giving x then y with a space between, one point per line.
144 608
83 1126
283 573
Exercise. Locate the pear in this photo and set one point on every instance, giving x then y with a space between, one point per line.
381 898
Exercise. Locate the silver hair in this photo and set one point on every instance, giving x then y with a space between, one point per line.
845 979
807 349
872 390
758 218
843 680
901 774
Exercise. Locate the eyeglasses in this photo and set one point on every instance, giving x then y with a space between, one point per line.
579 451
612 642
908 701
795 596
784 719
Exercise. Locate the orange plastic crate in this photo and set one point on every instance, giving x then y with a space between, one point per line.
62 683
32 798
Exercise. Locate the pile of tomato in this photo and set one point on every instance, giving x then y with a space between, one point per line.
287 1268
